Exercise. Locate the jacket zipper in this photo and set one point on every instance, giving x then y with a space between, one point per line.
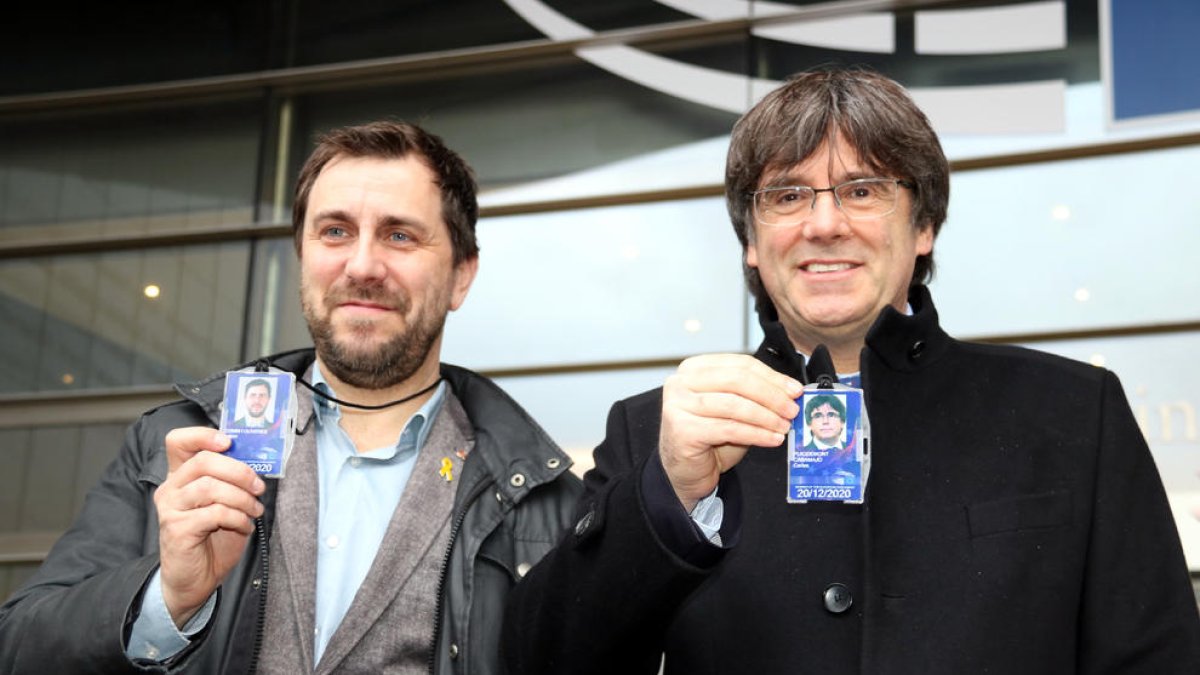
259 623
440 607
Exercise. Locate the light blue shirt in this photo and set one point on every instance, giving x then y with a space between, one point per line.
357 492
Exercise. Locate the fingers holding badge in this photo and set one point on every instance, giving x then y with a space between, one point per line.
715 407
206 508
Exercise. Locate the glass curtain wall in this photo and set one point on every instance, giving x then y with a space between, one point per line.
146 166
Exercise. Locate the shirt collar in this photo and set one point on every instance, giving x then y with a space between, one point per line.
329 413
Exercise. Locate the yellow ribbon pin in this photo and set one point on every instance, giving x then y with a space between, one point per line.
447 470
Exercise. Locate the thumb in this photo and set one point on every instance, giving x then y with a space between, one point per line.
183 443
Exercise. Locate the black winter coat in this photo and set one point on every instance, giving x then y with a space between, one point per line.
1014 523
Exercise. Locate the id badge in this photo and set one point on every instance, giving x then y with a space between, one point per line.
828 457
259 415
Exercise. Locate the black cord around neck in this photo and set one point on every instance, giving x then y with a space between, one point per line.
360 406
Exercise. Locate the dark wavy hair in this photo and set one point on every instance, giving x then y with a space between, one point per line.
396 140
873 113
821 399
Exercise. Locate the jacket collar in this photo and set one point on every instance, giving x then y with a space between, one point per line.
901 342
512 442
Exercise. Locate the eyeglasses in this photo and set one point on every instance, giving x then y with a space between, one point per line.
862 198
821 415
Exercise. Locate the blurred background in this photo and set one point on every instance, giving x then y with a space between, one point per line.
148 154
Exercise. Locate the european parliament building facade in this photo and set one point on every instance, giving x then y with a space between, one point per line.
148 154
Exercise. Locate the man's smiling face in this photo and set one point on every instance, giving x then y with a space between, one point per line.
828 275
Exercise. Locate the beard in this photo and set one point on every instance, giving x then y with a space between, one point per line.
384 365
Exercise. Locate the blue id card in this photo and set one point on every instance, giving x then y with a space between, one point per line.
828 446
259 412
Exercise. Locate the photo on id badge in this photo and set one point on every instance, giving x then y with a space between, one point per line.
825 447
255 418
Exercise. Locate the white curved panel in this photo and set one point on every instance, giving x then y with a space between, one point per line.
874 33
1032 26
1025 108
713 88
1035 107
865 33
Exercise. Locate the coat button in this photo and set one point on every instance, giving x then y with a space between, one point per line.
517 480
256 583
523 569
553 463
838 598
584 523
917 348
453 651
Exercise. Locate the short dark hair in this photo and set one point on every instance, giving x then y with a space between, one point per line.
257 382
820 400
396 140
873 113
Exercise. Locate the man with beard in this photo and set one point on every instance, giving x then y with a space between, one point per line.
257 397
417 493
1013 519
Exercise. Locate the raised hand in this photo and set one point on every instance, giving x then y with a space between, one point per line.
206 510
715 407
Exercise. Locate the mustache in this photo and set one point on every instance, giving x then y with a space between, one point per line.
376 294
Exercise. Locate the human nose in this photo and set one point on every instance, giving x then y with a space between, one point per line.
825 220
365 261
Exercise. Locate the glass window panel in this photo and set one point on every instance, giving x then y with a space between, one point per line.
328 32
55 47
13 576
48 502
99 445
557 119
616 283
277 287
129 173
1157 373
578 426
1075 112
48 472
1076 61
1090 243
14 452
86 321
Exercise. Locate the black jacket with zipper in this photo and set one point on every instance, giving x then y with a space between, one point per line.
75 613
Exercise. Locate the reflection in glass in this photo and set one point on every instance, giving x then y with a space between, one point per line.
85 321
1122 261
618 283
603 284
540 122
132 173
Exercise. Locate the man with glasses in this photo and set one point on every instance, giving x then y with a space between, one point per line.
825 417
1013 519
829 456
